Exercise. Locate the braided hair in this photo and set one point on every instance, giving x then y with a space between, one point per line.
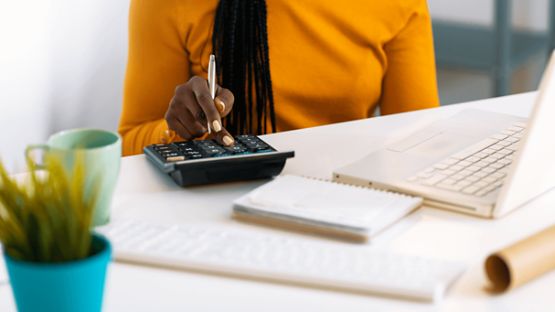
240 43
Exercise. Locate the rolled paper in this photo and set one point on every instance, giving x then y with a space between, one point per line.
525 260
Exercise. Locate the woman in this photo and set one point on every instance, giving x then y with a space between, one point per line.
286 65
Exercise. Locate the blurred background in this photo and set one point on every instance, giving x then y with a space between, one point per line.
62 62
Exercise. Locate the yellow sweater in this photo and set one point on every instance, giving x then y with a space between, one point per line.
331 61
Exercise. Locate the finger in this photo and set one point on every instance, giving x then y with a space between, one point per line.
195 128
224 101
180 113
175 125
204 100
223 137
194 108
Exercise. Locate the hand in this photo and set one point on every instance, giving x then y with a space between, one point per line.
192 109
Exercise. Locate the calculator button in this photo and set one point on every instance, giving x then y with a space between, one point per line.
171 154
236 149
175 158
162 148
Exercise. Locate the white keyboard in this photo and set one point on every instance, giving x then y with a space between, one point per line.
477 170
239 253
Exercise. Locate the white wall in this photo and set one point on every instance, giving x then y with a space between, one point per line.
528 14
62 62
61 66
24 76
89 50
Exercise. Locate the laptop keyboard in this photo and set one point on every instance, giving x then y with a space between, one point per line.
477 170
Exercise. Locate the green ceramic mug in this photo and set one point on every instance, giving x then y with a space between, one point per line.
100 151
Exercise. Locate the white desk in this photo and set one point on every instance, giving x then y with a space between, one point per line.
145 194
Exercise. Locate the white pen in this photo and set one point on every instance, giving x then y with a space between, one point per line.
211 81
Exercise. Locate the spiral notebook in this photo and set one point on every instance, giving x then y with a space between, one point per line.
324 207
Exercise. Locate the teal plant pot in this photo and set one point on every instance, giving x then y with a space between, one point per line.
61 287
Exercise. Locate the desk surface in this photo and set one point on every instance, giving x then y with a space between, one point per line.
145 194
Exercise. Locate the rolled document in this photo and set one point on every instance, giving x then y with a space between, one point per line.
523 261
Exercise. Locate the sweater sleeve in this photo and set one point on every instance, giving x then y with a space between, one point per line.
410 79
157 63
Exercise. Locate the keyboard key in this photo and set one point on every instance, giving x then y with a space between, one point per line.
481 184
472 159
451 161
472 179
513 147
505 151
499 136
489 169
516 129
434 179
464 163
448 172
508 132
489 179
450 187
497 147
473 168
449 181
466 172
505 161
458 176
498 165
482 163
441 166
470 189
474 148
464 183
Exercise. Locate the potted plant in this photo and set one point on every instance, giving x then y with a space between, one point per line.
54 261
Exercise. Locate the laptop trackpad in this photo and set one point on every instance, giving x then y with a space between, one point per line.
441 145
413 140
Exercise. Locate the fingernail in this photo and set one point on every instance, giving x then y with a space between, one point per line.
220 105
227 140
168 136
216 125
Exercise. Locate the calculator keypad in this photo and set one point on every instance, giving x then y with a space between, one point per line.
179 151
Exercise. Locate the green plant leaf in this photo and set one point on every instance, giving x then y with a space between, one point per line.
48 217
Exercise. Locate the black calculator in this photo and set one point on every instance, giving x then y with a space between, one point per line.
206 161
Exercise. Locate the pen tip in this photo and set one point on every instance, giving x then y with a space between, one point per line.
212 57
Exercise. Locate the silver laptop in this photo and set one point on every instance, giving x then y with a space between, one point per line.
476 162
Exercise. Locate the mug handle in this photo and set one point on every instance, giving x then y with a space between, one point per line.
29 151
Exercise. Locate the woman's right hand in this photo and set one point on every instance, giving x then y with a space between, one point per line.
192 111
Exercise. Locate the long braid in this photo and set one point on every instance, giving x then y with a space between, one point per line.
240 42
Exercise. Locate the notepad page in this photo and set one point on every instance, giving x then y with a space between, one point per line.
331 202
